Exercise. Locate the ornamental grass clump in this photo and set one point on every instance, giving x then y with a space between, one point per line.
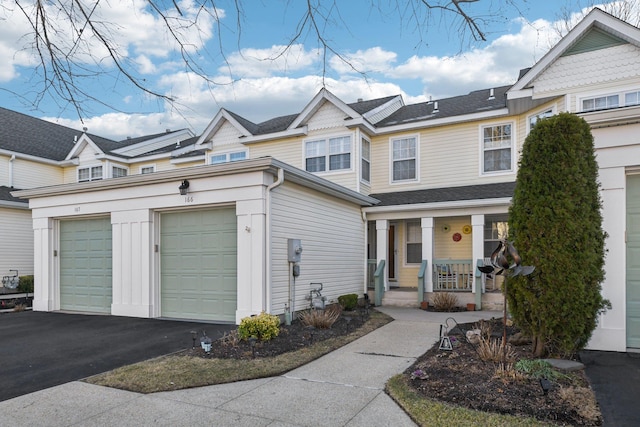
263 327
321 319
444 301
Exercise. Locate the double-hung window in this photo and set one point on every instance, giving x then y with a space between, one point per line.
404 159
541 115
365 171
147 169
232 156
93 173
331 154
117 172
497 147
414 242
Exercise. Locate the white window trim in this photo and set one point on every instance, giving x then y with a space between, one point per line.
600 93
514 154
365 181
115 165
79 168
327 155
227 154
151 166
553 109
404 181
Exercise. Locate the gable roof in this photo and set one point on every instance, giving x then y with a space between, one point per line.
597 29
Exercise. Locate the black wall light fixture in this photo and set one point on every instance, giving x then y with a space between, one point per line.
184 187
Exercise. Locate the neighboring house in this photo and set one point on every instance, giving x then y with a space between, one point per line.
36 153
359 183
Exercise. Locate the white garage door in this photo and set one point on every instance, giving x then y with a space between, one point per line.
85 265
198 264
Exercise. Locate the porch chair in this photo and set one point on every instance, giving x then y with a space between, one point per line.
445 278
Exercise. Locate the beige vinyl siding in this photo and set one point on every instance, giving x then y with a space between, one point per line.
28 174
449 156
332 234
291 151
4 170
16 229
444 246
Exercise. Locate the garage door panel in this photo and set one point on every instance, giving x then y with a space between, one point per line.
633 262
196 247
85 265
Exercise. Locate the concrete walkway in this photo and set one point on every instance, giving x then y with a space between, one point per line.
343 388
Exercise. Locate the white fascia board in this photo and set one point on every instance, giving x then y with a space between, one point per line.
422 124
596 18
262 164
316 102
523 93
300 131
79 145
14 205
456 204
376 110
169 138
32 158
113 158
215 124
310 180
361 123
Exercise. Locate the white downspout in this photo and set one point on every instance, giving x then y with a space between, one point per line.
366 244
13 157
267 290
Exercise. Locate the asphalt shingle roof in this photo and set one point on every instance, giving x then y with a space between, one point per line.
5 195
475 102
449 194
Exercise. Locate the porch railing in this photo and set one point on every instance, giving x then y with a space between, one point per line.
379 283
371 269
453 275
422 274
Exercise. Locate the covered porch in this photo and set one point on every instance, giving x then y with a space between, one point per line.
414 254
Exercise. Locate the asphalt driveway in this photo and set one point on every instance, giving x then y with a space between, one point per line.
40 350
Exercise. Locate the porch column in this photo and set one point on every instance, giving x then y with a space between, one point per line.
477 246
382 245
427 250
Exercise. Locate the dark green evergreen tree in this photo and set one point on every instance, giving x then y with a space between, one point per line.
555 222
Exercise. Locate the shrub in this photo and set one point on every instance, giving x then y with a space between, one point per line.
444 301
348 302
263 327
25 284
555 222
321 319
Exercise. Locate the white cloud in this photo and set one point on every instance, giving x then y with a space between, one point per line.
375 60
278 59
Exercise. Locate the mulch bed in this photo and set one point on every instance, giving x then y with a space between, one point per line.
291 337
460 377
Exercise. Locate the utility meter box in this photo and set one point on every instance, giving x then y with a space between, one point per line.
294 249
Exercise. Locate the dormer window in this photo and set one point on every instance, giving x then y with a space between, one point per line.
117 172
232 156
93 173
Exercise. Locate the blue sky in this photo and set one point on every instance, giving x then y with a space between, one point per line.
383 43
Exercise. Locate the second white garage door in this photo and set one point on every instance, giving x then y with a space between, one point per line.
198 264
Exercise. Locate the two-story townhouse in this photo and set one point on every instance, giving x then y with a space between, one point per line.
375 182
